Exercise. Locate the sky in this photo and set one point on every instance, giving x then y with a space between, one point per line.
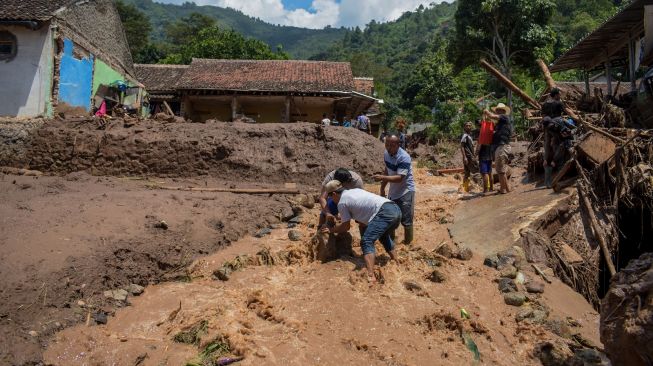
318 13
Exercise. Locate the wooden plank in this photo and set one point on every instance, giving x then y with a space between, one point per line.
597 147
451 171
168 109
229 190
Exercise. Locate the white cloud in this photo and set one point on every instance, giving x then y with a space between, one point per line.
348 13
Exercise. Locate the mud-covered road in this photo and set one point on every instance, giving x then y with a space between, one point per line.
290 309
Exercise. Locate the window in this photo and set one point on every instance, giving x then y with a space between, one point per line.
7 46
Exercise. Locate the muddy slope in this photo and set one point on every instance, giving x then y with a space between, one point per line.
272 153
66 239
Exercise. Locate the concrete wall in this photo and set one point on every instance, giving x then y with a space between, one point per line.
26 79
76 78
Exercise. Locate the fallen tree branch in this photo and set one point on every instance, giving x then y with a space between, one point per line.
509 84
229 190
539 272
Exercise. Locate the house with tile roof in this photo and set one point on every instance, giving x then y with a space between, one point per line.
63 56
257 90
160 80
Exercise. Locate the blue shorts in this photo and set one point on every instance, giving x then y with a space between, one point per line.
486 166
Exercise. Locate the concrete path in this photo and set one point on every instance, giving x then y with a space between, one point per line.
487 224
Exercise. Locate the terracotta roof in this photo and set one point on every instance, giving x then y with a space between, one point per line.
268 75
39 10
159 78
364 85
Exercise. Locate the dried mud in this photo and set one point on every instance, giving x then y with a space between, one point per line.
273 153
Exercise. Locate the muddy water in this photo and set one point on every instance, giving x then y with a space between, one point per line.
311 313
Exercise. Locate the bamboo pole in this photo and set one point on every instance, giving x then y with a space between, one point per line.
595 225
509 84
229 190
550 83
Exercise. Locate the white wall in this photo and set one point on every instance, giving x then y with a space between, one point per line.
27 78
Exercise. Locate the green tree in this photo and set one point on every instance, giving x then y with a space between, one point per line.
507 32
431 83
185 29
137 28
214 42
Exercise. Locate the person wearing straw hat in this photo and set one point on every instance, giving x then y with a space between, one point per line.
381 216
501 143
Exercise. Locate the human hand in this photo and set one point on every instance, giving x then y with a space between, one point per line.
382 192
330 218
378 177
325 229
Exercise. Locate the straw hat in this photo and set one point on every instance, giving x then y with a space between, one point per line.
503 107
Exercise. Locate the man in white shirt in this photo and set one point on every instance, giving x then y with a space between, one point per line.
381 216
326 122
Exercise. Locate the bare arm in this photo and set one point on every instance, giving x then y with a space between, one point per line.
323 199
490 115
342 227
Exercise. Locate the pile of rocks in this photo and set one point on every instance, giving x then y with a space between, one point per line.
517 289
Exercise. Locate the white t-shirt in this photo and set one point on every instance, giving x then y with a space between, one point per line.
356 180
326 122
360 205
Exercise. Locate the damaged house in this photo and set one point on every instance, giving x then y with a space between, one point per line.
63 56
257 90
622 43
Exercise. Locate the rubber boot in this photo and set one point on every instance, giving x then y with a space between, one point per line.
466 185
408 234
486 183
548 176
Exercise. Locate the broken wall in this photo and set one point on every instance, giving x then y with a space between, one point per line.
75 77
26 79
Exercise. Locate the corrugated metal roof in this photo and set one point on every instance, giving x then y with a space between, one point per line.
610 40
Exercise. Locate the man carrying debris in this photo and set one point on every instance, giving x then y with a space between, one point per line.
399 173
501 143
467 150
381 216
556 132
349 180
364 123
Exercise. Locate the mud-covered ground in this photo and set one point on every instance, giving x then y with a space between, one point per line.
287 308
66 239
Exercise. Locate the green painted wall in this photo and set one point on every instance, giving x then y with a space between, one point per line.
104 74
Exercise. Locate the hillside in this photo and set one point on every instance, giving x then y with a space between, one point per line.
300 43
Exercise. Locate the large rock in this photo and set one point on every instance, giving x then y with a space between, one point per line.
627 314
514 298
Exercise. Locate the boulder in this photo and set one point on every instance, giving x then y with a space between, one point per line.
507 285
294 235
535 287
514 298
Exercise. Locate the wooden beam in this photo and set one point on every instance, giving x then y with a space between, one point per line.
229 190
509 84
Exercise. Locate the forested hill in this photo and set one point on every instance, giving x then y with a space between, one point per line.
300 43
389 52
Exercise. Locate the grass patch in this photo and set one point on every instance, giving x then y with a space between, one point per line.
210 355
192 335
